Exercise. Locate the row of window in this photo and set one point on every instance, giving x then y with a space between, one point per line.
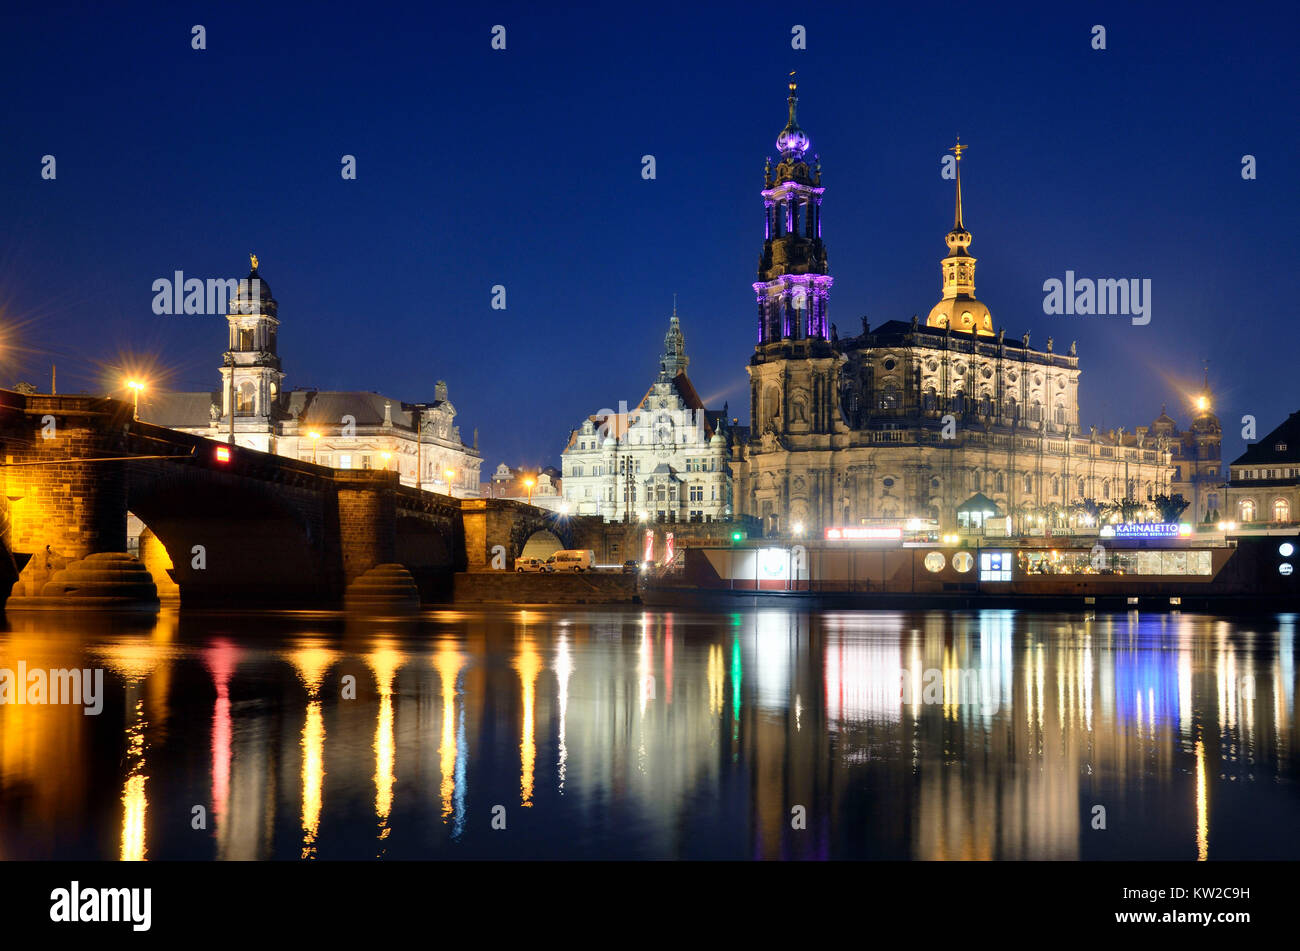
889 400
1270 474
1249 511
658 493
688 435
999 565
998 483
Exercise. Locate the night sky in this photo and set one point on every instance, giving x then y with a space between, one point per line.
523 167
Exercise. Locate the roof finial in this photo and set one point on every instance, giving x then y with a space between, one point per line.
674 305
252 259
957 150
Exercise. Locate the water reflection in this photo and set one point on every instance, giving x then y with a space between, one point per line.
310 662
762 734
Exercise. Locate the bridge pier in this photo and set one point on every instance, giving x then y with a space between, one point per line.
367 512
62 511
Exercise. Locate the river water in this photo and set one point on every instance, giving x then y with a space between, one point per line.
628 733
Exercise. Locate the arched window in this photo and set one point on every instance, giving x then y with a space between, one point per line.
975 480
998 484
1083 488
929 400
246 339
1105 489
246 398
889 399
1036 412
1056 486
959 402
1248 510
1029 483
1060 415
986 405
1013 408
1281 510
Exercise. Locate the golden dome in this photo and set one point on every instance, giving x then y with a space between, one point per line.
965 314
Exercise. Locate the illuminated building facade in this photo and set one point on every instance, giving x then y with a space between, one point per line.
666 460
910 419
353 429
1264 481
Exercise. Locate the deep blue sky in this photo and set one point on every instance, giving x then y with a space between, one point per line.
522 168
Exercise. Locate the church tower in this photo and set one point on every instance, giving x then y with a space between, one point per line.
674 359
792 372
959 308
250 374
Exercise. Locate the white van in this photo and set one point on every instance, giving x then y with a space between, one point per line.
572 559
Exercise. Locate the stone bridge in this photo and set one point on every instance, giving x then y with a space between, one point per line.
225 525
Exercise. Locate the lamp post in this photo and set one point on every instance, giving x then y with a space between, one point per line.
135 386
449 474
315 439
387 457
530 483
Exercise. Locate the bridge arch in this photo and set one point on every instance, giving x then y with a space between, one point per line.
541 544
232 543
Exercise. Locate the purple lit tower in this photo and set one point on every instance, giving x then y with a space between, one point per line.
793 279
794 372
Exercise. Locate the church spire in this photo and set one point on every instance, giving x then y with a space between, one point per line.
793 275
957 150
959 309
793 142
674 360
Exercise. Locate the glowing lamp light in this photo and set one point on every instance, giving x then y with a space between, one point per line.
875 534
798 528
222 454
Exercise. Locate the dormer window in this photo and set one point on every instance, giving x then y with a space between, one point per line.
1280 447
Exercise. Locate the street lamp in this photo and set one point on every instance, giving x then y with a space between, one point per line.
315 438
135 386
387 457
449 474
530 483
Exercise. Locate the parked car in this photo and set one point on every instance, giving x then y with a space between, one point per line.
530 564
630 567
572 559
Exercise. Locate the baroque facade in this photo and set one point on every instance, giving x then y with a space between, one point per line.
664 461
910 420
340 429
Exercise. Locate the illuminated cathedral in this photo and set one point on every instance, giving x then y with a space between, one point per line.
944 420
